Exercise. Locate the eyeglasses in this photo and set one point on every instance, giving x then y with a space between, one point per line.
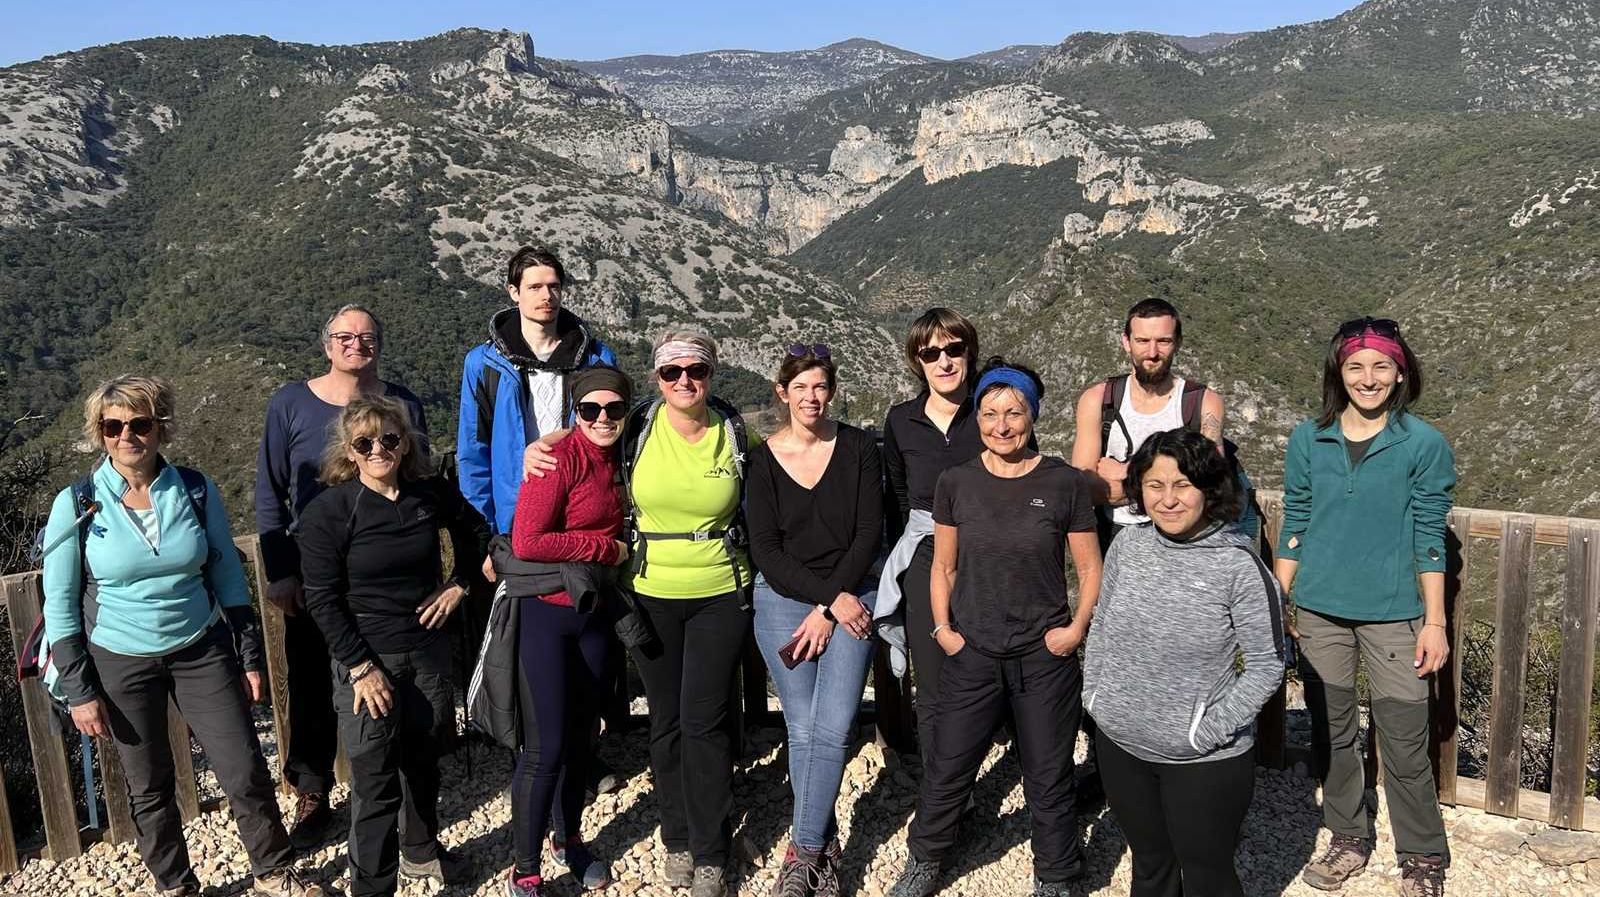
590 411
955 349
345 338
363 444
697 372
111 428
815 350
1379 326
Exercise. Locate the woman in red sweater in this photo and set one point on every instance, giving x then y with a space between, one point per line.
571 516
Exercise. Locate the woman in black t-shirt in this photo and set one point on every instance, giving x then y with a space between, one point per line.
369 558
1003 524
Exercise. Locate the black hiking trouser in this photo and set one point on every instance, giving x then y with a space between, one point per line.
687 676
1182 820
1044 694
313 725
927 658
204 680
394 765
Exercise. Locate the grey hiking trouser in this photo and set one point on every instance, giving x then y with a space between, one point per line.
1330 649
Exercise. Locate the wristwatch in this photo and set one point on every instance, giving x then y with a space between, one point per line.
827 613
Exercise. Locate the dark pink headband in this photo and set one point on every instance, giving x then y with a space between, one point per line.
1368 339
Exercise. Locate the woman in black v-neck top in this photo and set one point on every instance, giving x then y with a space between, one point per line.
814 543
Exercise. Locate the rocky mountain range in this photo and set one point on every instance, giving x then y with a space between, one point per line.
198 205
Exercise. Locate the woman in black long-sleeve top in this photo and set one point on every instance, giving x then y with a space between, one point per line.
815 511
922 438
370 562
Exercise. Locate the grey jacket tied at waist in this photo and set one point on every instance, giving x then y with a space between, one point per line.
888 615
588 583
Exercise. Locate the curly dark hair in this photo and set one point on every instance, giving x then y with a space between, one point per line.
1199 460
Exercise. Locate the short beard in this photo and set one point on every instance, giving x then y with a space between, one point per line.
1155 378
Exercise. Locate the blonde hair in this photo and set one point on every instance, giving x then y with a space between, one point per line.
696 337
150 396
372 415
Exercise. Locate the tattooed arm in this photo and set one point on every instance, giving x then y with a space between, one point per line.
1211 412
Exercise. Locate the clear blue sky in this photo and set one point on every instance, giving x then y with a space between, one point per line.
596 29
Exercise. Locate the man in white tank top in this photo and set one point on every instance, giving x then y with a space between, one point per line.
1152 401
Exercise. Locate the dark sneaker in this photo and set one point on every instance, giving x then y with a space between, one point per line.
592 873
522 886
179 891
1053 888
288 883
828 879
679 869
1422 877
800 875
918 879
311 818
447 866
709 881
1343 860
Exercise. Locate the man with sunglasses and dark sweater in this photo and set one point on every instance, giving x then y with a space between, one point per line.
300 416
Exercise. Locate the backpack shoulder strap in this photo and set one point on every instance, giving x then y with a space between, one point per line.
1194 392
1111 412
194 484
734 421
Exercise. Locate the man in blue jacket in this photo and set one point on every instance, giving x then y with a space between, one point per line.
513 385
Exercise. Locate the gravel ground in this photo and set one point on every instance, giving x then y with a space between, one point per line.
878 798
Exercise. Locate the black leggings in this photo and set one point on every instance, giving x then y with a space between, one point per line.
562 657
1182 820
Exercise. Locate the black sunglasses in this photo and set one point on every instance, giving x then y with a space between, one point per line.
590 411
697 371
363 444
111 428
955 349
815 350
1380 326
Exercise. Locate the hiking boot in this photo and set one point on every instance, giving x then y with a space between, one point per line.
1422 877
679 869
1343 860
286 882
1053 888
918 879
590 872
446 866
311 818
800 875
184 890
522 886
709 881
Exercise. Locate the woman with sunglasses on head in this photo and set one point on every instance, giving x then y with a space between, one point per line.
1367 486
922 438
571 516
145 604
816 519
1182 596
369 559
1006 525
683 460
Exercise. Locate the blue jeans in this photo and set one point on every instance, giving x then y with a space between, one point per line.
820 699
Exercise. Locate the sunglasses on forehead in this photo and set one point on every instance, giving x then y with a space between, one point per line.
815 350
955 349
1379 326
363 444
111 428
590 411
697 371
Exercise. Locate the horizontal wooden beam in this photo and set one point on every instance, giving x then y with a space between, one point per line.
1486 524
1533 805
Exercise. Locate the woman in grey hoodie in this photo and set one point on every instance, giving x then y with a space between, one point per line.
1180 598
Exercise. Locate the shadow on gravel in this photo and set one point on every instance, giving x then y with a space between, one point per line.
1280 832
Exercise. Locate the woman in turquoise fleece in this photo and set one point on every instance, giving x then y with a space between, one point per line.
146 603
1367 487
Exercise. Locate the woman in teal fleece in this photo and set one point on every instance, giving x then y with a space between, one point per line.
146 604
1367 487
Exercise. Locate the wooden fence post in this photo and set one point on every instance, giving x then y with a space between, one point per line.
272 634
1575 683
8 832
24 604
1513 617
1447 684
188 795
1271 735
119 813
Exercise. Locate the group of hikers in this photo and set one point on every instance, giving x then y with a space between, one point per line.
592 525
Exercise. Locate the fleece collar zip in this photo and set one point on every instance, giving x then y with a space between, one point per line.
119 487
919 414
1393 433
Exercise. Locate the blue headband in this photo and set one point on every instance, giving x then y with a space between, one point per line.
1016 380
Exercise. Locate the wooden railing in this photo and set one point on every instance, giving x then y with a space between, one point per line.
1510 606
